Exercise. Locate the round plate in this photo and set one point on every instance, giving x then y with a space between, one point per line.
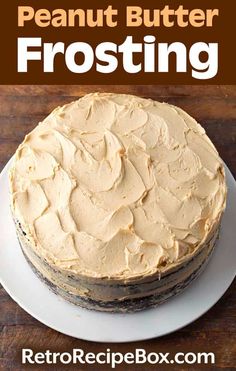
34 296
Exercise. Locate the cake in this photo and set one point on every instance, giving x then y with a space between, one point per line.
117 201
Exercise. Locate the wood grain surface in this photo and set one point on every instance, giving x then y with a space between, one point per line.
21 108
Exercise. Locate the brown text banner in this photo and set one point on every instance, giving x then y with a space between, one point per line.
111 42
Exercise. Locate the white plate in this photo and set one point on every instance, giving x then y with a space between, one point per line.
35 297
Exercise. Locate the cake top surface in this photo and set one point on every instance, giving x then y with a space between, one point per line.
117 186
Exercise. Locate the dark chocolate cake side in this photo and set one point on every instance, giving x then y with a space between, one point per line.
133 304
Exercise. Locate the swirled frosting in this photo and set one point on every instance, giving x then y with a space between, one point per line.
117 186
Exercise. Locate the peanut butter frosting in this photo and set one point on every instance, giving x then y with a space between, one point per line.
117 186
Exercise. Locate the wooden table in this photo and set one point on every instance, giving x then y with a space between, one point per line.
21 108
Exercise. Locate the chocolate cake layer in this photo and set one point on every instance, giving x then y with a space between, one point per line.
132 297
